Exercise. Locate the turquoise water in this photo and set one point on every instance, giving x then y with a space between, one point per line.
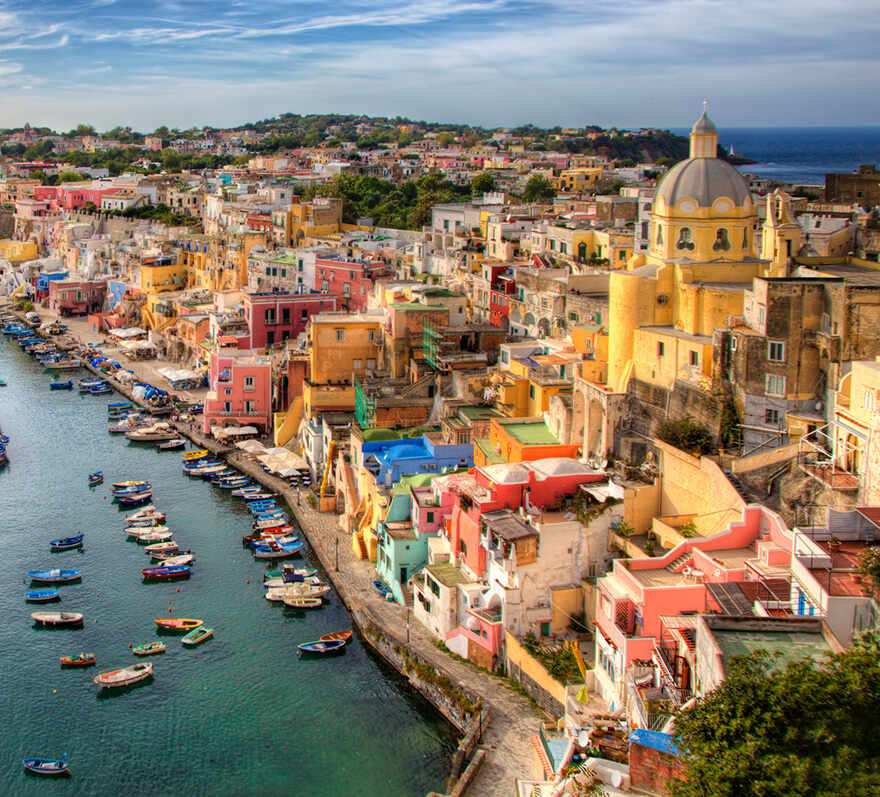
241 714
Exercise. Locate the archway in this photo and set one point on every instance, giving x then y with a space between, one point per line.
595 430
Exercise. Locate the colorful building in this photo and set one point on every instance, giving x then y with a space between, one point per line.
279 316
241 391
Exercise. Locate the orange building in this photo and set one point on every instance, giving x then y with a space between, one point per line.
519 440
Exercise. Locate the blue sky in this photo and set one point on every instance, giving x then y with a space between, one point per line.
496 62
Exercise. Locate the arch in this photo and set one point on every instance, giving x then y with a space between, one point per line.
722 240
582 252
544 327
685 239
529 320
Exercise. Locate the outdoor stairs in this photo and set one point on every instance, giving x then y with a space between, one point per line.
738 486
676 565
417 385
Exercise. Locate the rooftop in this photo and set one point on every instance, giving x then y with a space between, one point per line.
446 574
531 433
788 646
507 525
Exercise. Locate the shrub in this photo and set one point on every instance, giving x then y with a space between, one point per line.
686 435
689 529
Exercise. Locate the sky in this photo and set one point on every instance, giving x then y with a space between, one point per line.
630 63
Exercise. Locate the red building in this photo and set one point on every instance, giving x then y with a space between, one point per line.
241 391
350 280
278 316
76 297
260 222
72 196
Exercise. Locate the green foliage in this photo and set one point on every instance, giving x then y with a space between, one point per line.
483 182
689 529
623 529
560 663
161 213
801 730
687 435
538 188
25 306
730 422
868 566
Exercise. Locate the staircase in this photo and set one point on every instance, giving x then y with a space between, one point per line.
738 486
415 386
677 564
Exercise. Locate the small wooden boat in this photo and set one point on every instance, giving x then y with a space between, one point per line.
135 499
100 390
202 452
149 649
299 602
177 560
345 636
172 445
321 647
160 534
161 547
66 543
197 636
124 676
286 579
305 572
382 588
144 513
57 618
78 660
68 385
42 595
54 576
178 623
166 573
47 767
276 551
117 486
164 556
96 478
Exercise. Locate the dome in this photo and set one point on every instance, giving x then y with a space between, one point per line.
704 125
704 180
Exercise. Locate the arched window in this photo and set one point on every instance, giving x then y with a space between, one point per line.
685 239
659 236
582 252
745 239
722 240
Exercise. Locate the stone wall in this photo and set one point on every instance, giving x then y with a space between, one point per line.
7 222
651 770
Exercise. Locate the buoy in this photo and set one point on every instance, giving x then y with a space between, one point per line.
130 645
178 589
197 655
54 691
248 581
169 610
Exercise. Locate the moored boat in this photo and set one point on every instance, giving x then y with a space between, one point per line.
202 452
146 512
78 660
135 499
154 433
66 543
299 602
57 618
55 575
305 572
321 647
171 573
276 551
47 767
197 636
96 478
383 589
172 445
161 547
178 623
118 486
177 561
164 556
345 636
68 385
149 649
42 595
160 534
124 676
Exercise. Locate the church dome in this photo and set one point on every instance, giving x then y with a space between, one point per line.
704 125
703 180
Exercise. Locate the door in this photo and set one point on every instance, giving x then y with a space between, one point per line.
403 575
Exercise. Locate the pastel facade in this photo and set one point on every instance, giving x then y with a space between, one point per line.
240 391
279 316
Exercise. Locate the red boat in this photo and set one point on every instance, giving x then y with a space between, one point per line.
345 636
267 534
78 660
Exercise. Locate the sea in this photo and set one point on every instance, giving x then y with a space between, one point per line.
800 154
242 714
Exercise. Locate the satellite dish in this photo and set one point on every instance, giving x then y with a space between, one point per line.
717 572
583 737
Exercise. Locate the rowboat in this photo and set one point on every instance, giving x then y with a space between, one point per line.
145 523
134 499
66 543
345 636
42 595
321 647
178 623
54 576
47 767
65 364
138 531
116 486
177 561
202 452
158 431
382 588
303 571
124 676
68 385
154 535
100 390
279 581
171 445
197 636
57 618
149 649
161 547
78 660
270 540
164 556
276 551
144 513
166 573
96 478
299 602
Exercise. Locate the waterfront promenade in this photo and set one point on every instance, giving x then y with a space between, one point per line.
513 718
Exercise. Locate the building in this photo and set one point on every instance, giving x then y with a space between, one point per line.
348 279
862 188
240 391
70 296
279 316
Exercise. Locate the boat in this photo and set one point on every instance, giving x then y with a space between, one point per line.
288 568
117 486
42 595
90 381
247 496
268 541
57 618
68 385
120 406
100 390
135 499
202 452
276 551
177 560
153 536
145 523
383 589
124 676
47 767
54 575
66 543
171 573
96 478
62 364
171 445
321 647
178 623
2 383
299 602
162 547
145 512
164 556
345 636
137 531
158 431
149 649
78 660
197 636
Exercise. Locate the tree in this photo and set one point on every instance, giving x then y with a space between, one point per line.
801 730
445 138
537 188
686 434
82 130
482 183
171 160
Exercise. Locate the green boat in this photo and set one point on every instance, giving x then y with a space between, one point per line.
148 649
197 636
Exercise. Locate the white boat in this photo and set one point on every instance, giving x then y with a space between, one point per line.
147 522
156 432
113 679
153 536
137 532
298 590
57 618
129 424
278 581
161 546
174 561
62 365
148 511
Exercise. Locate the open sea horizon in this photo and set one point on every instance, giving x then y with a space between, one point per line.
800 154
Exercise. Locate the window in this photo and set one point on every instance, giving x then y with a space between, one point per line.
722 241
283 272
371 335
371 363
762 316
771 417
435 587
429 517
869 400
357 364
227 407
531 391
775 385
363 289
228 391
694 358
445 224
462 547
563 247
299 266
734 342
346 289
659 236
685 239
285 315
325 286
572 316
340 335
661 347
248 383
553 244
249 406
303 314
775 351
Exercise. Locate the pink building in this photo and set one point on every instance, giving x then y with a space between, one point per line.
276 317
350 280
73 196
241 391
76 297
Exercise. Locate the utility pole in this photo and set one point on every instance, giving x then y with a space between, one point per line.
337 554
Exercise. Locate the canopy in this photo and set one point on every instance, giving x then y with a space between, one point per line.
233 431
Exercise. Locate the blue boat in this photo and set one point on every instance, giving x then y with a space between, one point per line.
48 767
54 575
68 385
166 573
66 543
383 589
134 499
322 647
42 595
99 390
96 478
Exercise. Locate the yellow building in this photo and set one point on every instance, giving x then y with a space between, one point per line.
579 180
666 304
18 251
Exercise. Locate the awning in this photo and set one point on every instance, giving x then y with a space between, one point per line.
602 492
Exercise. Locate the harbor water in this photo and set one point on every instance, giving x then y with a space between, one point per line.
241 714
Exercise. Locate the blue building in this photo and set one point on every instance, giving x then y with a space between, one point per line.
391 460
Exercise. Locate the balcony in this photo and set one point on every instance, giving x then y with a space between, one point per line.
487 615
